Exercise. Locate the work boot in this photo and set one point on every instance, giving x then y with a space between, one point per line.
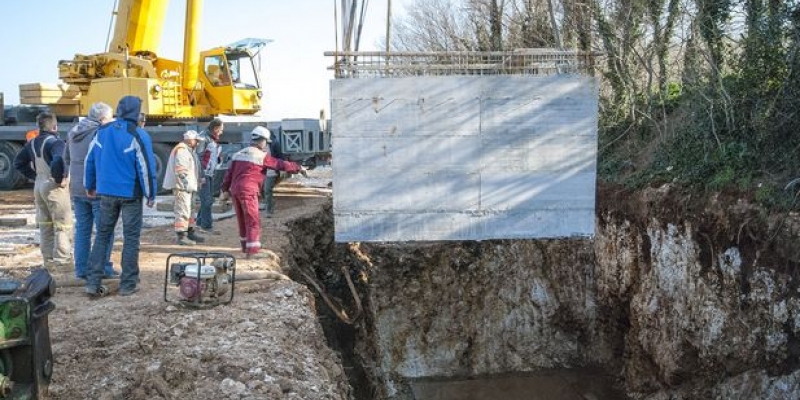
193 236
183 240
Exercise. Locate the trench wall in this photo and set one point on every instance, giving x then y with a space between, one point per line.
672 307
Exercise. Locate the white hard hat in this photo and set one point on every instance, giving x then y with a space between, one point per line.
261 132
191 134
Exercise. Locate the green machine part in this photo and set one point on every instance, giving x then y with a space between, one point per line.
13 329
14 320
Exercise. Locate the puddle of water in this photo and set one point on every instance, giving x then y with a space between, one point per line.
546 385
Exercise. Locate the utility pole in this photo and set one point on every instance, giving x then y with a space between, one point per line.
388 25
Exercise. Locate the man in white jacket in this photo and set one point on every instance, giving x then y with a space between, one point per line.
183 176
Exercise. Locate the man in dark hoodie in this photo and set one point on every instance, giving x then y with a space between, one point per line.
87 211
41 161
121 169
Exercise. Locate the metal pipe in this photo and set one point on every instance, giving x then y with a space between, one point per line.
388 26
336 37
191 58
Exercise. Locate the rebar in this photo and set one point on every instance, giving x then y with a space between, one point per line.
372 64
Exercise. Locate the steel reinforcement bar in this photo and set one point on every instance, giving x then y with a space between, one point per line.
372 64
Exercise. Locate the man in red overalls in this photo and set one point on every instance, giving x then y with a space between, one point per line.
244 179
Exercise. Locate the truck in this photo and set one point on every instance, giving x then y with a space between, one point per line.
176 95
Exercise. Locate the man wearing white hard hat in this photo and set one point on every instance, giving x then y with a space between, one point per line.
183 176
243 183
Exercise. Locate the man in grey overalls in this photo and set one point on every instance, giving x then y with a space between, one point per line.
41 160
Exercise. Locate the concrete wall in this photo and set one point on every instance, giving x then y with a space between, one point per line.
464 158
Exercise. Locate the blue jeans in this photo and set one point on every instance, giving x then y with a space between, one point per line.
111 208
87 215
204 218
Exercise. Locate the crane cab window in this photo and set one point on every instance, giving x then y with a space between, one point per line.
243 70
216 70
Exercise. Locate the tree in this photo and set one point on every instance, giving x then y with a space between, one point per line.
734 88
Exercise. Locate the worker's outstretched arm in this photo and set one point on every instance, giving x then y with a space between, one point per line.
277 164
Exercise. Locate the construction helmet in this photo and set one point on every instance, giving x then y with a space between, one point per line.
190 134
261 132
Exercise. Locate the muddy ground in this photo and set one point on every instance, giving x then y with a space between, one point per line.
266 344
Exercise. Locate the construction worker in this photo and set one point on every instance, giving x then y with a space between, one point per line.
243 181
183 176
121 169
210 153
41 160
87 211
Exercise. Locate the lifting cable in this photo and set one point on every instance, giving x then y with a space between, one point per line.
111 24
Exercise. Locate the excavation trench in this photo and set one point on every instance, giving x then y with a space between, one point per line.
648 308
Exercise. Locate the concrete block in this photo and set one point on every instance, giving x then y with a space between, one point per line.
464 157
13 221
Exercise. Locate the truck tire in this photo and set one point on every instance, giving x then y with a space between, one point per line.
161 152
10 178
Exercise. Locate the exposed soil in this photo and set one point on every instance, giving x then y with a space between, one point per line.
269 343
266 344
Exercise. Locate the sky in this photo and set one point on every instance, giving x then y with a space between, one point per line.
38 33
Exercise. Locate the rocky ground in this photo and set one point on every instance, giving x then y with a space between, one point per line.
266 344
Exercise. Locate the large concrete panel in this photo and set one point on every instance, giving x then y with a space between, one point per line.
464 158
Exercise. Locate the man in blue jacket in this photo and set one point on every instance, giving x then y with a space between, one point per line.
121 169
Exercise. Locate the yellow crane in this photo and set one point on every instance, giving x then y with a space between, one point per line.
222 80
177 95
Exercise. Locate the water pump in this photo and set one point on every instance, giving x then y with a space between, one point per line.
202 278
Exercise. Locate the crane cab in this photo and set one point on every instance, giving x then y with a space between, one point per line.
230 78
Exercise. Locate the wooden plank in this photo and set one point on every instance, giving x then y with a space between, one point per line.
49 100
13 221
39 87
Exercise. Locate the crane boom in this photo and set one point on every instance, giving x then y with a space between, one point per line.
138 26
221 80
190 56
